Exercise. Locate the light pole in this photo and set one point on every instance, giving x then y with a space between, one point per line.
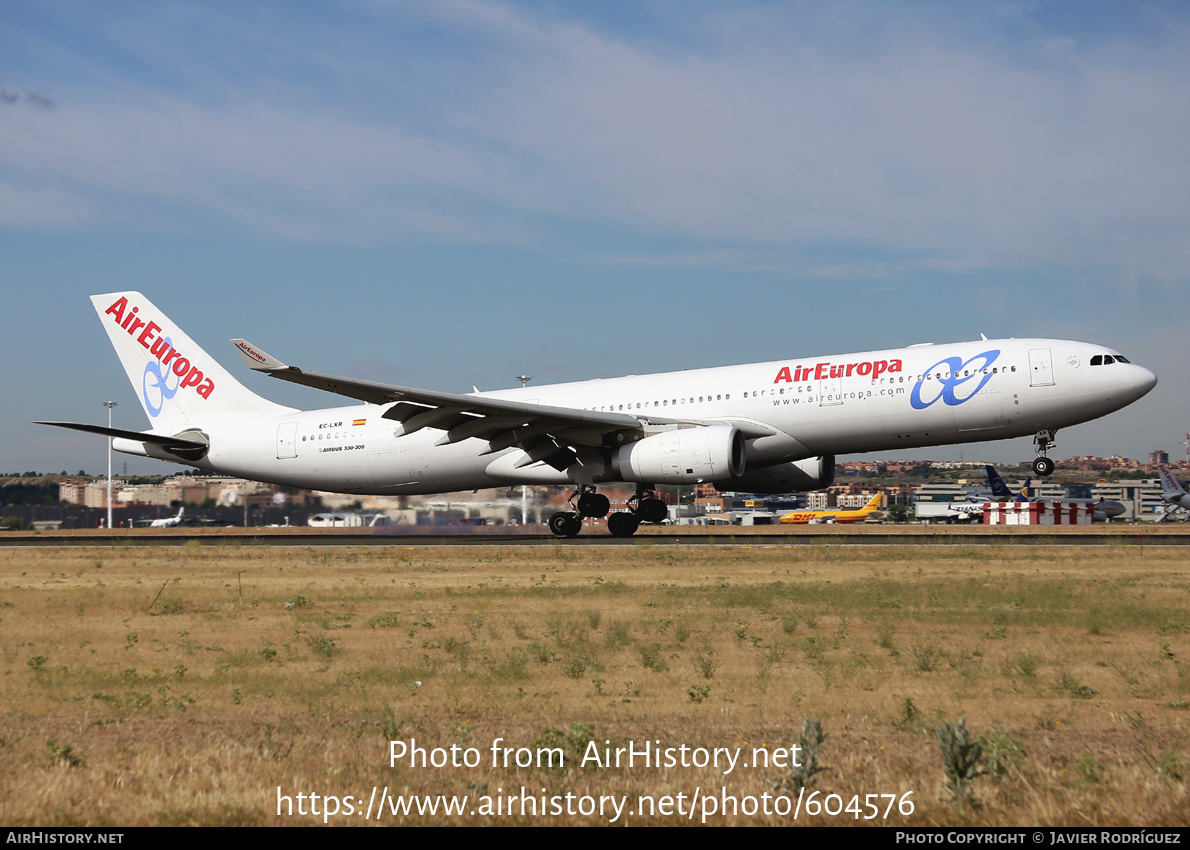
109 405
524 379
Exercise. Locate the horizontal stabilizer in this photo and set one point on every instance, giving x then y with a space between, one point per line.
157 439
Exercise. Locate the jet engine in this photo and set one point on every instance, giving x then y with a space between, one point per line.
684 456
797 477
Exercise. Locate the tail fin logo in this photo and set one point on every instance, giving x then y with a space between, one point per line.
160 385
161 348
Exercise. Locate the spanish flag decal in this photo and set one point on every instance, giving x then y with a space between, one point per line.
359 422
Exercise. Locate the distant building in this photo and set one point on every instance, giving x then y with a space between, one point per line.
941 491
1099 464
94 495
73 491
189 489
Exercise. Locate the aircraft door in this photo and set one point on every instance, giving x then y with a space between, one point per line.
1041 370
830 391
287 440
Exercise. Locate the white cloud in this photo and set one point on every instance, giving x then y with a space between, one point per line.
899 134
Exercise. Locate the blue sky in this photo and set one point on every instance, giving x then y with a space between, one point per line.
450 194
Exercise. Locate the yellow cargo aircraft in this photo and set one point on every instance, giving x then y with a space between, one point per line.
839 516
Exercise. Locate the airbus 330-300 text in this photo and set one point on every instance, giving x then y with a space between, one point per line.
761 428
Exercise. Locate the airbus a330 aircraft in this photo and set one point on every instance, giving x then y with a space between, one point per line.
761 428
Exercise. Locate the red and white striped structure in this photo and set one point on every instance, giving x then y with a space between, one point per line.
1038 513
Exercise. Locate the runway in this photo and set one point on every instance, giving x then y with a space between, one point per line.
1130 535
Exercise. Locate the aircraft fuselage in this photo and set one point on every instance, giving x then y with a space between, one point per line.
790 410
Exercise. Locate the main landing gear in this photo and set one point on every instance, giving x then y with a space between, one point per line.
1044 441
642 507
586 503
646 506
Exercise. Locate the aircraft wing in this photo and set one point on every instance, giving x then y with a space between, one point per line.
545 433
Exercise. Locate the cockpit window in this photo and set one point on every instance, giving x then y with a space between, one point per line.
1097 360
1120 358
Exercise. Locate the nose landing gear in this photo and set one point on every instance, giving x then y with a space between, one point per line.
1044 440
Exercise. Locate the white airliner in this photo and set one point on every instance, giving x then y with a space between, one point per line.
1172 492
761 428
169 521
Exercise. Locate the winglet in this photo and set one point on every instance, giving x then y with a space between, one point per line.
256 358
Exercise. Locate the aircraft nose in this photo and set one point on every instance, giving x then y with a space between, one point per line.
1141 380
1146 380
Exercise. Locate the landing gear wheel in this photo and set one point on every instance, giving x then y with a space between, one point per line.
1043 466
593 505
565 524
622 524
652 510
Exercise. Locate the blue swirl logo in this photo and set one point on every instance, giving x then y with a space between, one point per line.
951 384
160 387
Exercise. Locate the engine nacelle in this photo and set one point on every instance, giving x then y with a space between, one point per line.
684 456
797 477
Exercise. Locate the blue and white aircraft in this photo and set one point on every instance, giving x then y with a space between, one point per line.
764 427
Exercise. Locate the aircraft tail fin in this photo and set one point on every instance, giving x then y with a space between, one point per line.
1000 490
176 382
1169 485
875 502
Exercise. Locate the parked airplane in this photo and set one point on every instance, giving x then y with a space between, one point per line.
169 521
1105 509
1173 493
764 427
1001 492
348 519
839 515
959 512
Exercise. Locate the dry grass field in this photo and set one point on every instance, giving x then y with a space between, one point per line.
186 685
